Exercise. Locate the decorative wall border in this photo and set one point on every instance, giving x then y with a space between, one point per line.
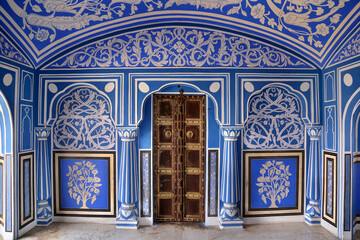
110 156
299 208
31 130
31 90
2 202
330 129
333 89
25 220
145 180
330 188
213 159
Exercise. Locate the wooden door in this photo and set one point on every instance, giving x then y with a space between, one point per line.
179 157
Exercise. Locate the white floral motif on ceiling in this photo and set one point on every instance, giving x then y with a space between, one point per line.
306 20
274 121
9 51
84 121
178 47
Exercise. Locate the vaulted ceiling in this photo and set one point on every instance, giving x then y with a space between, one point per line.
312 29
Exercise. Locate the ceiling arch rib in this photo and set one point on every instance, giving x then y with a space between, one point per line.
311 27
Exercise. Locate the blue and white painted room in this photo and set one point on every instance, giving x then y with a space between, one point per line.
256 103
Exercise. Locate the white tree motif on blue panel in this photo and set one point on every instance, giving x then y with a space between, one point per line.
274 121
84 121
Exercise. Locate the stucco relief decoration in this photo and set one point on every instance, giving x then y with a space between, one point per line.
84 121
352 48
306 20
7 50
83 183
274 121
274 182
178 47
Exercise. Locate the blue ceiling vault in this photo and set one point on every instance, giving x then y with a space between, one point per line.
45 29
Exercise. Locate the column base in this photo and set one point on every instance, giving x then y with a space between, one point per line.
44 222
128 217
44 213
230 216
312 214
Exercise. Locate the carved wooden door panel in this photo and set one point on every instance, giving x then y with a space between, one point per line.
179 157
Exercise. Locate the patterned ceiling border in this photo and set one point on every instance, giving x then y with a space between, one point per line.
349 50
312 26
9 51
178 47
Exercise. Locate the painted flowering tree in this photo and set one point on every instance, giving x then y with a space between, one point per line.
274 182
83 183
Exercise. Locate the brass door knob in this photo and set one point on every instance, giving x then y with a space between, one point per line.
168 134
189 134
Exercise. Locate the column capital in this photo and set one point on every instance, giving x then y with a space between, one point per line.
314 132
42 133
128 133
231 133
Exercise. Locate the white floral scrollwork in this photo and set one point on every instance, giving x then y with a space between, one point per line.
274 182
274 121
8 51
178 47
305 20
351 49
84 121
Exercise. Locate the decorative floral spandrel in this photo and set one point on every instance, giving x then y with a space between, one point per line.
274 121
83 183
306 20
274 182
84 121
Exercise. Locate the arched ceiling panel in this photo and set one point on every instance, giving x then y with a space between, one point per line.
178 47
311 27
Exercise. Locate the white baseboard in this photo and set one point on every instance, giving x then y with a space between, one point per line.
85 220
279 219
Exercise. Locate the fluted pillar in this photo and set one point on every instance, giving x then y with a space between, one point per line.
128 215
312 214
230 180
43 177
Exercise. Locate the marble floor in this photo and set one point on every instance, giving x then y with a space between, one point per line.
177 231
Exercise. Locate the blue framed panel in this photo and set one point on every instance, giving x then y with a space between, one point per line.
1 191
330 188
26 189
273 182
84 183
145 161
213 183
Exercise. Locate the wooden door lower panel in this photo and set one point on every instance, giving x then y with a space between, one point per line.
179 158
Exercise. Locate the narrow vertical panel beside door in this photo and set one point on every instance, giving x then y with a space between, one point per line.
145 183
